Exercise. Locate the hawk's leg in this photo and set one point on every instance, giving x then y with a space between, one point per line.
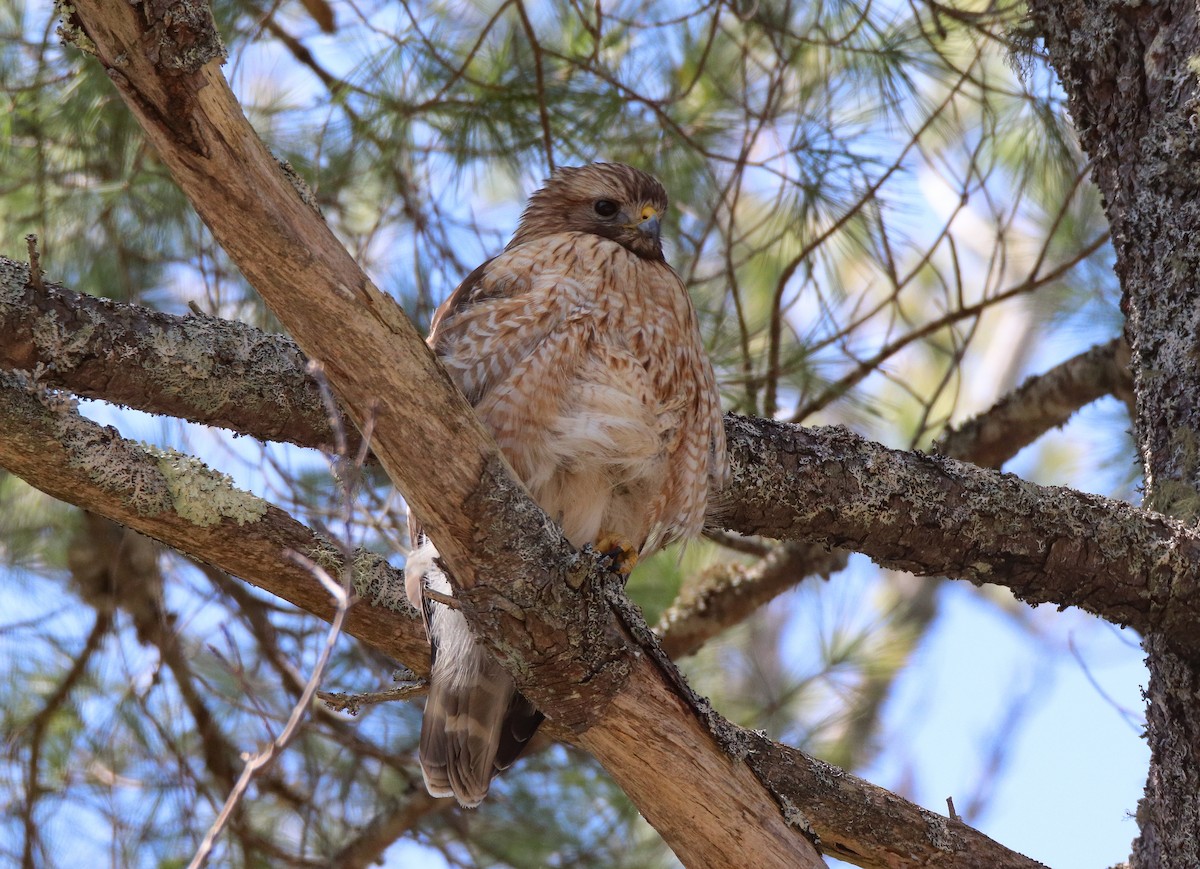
619 552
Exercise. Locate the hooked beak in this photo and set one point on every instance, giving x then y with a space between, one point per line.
650 224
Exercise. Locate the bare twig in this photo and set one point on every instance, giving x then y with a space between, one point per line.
265 757
39 725
353 703
1040 404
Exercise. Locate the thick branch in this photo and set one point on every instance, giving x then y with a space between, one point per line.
176 500
936 516
868 816
127 336
85 464
204 369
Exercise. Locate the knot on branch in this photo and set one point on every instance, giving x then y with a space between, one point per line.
182 36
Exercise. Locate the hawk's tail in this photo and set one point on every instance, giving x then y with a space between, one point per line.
476 722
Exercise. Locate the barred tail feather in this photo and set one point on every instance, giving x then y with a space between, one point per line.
475 723
462 727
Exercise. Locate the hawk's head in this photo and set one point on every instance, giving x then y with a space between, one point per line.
608 199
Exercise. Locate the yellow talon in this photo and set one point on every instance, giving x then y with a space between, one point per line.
620 551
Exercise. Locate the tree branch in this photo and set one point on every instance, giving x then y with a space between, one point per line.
1040 404
126 337
487 529
729 593
177 500
931 515
203 369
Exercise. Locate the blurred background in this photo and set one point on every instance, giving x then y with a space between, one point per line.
885 222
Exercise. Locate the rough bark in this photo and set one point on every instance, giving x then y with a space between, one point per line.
157 58
177 500
1130 75
931 515
914 836
47 443
199 368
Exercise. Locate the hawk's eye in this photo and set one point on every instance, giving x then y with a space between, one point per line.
605 207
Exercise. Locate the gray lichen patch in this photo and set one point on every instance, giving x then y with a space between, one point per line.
794 817
13 278
204 496
190 355
939 834
216 365
113 463
66 344
379 583
186 34
373 579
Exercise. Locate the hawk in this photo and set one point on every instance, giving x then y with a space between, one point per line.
578 347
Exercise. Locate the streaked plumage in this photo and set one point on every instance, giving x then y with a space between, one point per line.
579 349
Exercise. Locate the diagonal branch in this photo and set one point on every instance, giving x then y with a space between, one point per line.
1040 404
568 659
48 444
177 500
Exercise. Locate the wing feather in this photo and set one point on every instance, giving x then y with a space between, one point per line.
585 362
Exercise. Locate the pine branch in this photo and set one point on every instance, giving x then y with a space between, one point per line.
931 516
203 369
730 592
76 460
1040 404
632 709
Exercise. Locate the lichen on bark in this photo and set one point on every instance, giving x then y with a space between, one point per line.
203 496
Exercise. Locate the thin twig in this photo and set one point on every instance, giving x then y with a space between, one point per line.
265 757
540 81
353 703
42 721
444 599
341 592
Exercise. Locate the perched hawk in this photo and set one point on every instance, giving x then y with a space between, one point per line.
579 349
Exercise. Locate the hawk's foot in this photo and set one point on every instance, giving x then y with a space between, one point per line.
618 551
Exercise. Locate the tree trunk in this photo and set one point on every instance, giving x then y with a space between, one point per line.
1128 70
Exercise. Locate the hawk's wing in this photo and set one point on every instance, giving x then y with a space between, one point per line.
585 362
